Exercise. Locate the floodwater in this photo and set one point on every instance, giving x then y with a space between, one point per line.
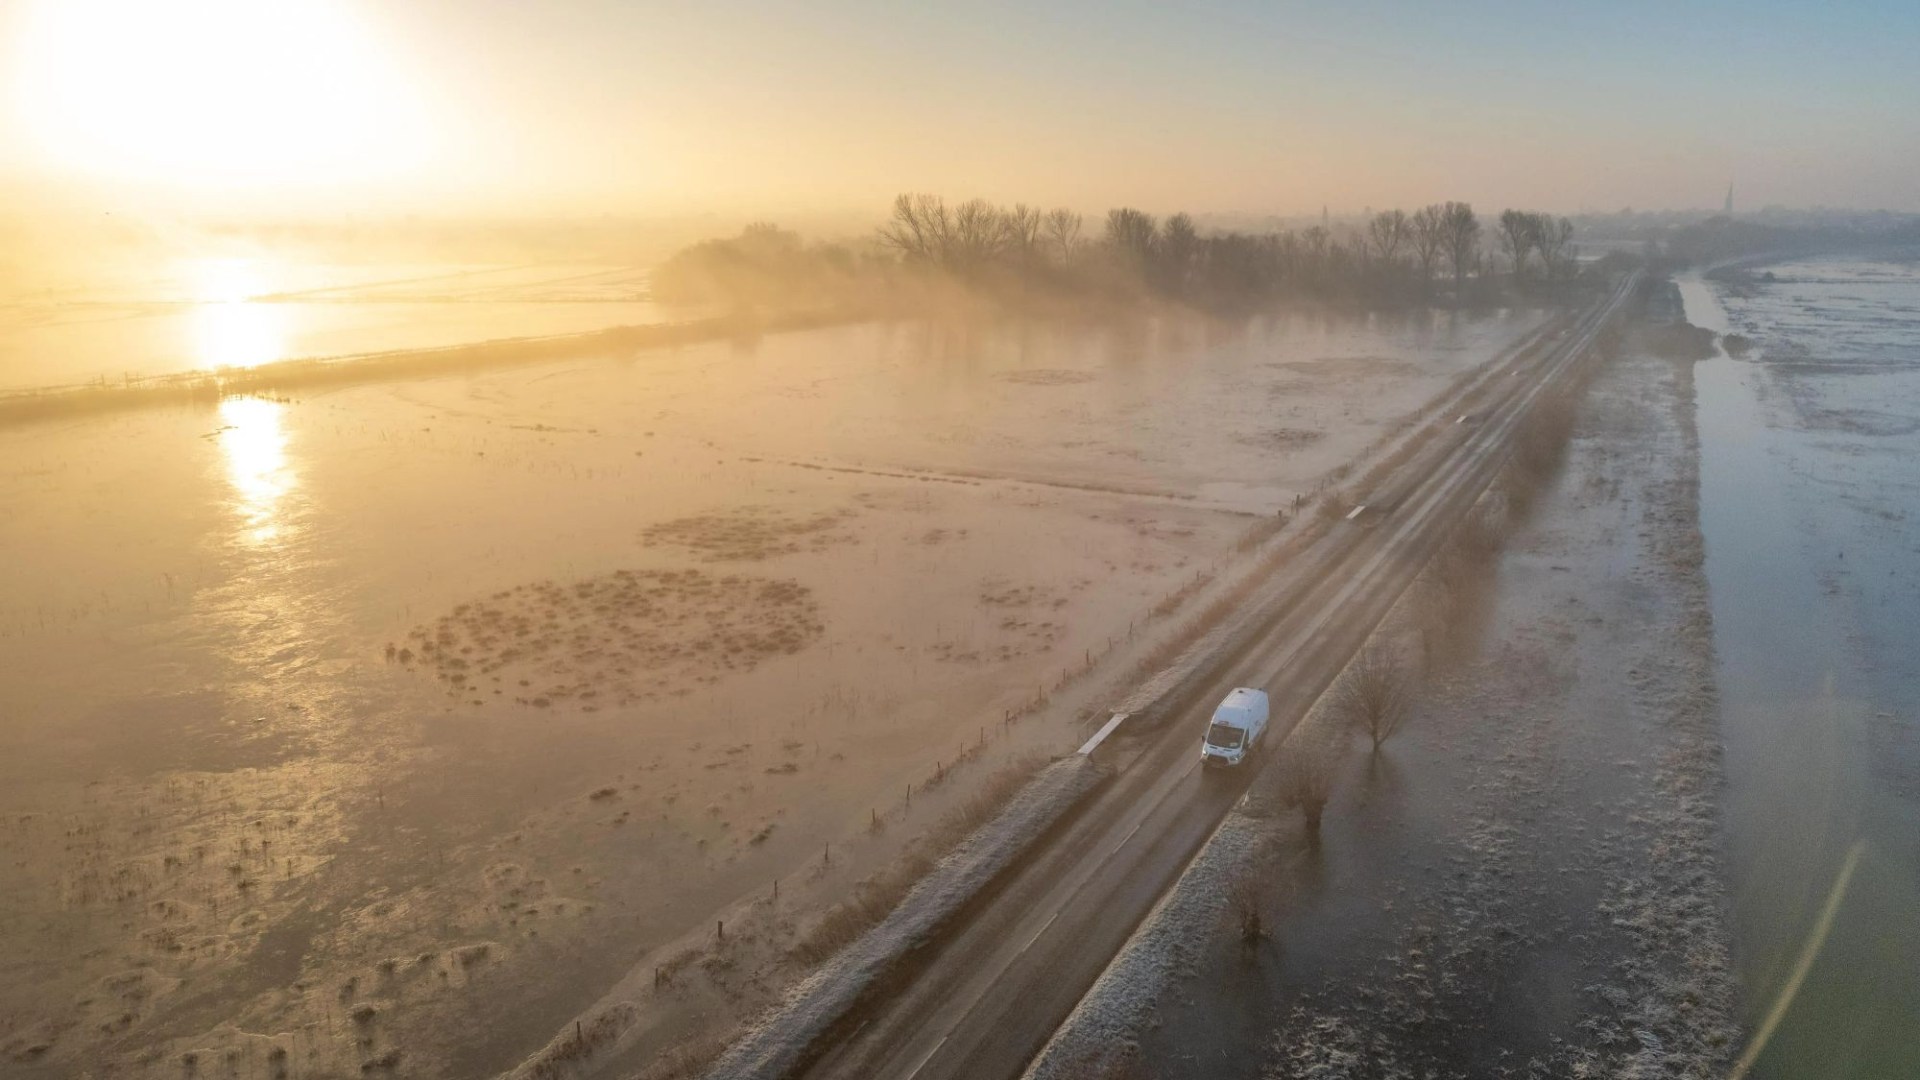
394 722
243 311
1810 496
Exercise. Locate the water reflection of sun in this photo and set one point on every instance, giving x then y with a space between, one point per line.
255 445
230 329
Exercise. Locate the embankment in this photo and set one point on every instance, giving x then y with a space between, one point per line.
291 376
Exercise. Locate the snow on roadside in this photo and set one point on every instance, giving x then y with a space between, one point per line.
1098 1036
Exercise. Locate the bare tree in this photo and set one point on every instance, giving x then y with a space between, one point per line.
1429 239
979 234
920 228
1518 230
1314 241
1179 244
1020 232
1133 235
1375 695
1462 232
1555 240
1062 229
1388 231
1306 783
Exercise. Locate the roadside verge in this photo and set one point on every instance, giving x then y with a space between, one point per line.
783 1039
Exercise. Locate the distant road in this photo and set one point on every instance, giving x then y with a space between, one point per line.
980 1003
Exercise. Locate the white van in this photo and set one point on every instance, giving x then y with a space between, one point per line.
1236 727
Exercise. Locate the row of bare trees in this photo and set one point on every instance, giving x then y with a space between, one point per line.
1523 232
1393 258
976 233
1395 249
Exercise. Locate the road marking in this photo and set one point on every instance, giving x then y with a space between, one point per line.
1036 935
1100 736
929 1057
1356 511
1129 836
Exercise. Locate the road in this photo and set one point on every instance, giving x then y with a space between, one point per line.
981 1002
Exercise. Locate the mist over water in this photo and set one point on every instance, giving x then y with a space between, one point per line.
1808 504
206 313
535 537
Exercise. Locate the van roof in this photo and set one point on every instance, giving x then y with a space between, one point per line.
1240 706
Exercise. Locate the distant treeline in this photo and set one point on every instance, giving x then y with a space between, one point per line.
1022 254
1724 237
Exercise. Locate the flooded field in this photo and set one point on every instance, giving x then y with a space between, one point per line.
384 728
1809 499
204 313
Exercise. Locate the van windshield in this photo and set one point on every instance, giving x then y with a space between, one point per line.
1224 736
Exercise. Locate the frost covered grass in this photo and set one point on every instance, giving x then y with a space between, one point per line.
879 894
1101 1036
788 1034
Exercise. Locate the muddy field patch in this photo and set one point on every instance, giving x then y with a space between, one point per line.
632 635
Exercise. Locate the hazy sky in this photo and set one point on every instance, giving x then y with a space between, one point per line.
828 105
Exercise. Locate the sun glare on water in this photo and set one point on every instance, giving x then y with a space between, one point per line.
255 448
229 330
212 92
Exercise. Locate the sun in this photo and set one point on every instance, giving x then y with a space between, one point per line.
213 93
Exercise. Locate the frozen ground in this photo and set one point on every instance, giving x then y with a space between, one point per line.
1525 881
391 726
